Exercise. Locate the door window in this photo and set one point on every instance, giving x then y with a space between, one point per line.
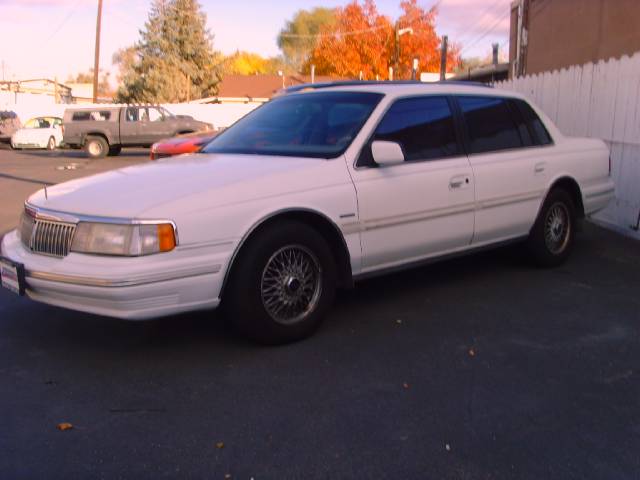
490 124
155 115
132 114
423 126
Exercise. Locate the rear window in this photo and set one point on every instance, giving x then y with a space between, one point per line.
490 124
91 116
539 133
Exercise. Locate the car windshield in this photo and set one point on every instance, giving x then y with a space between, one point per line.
318 124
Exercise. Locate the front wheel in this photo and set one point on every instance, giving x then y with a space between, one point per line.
282 284
551 238
51 144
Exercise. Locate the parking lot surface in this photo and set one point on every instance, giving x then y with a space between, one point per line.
482 367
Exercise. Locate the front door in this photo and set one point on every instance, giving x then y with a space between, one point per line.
424 206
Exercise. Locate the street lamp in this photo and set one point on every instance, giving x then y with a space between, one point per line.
399 33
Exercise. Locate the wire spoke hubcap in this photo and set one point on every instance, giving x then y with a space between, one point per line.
557 228
291 284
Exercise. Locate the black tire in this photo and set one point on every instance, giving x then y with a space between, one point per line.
51 144
115 151
254 283
96 147
551 238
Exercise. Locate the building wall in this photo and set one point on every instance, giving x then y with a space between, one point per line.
573 32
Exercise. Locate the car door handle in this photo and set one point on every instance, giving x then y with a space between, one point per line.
459 181
539 168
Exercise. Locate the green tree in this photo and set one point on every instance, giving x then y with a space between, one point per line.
174 59
298 38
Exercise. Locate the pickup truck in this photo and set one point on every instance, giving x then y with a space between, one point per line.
104 130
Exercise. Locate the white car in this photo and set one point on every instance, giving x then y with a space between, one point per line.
39 132
312 191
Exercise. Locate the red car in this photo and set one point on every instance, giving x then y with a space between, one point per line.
188 143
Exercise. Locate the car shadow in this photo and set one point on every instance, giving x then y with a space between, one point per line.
77 154
211 329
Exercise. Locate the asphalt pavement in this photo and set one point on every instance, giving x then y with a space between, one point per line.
482 367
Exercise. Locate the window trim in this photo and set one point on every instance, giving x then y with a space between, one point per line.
456 129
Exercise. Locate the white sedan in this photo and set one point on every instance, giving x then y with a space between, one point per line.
312 191
39 132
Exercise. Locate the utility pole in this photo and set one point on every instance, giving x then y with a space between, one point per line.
443 58
96 60
414 69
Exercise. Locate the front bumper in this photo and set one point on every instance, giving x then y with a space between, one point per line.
132 288
27 144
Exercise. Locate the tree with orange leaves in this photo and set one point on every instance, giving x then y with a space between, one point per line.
362 40
423 43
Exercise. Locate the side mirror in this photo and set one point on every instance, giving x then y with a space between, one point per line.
387 153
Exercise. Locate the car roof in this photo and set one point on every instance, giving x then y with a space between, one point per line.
402 88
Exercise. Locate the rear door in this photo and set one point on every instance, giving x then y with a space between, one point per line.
510 175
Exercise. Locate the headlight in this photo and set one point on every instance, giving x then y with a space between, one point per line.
125 240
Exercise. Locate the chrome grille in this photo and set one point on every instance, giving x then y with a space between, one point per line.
48 237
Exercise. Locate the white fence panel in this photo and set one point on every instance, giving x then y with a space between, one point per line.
598 100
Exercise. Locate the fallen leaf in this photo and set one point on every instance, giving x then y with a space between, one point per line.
64 426
405 385
220 445
472 352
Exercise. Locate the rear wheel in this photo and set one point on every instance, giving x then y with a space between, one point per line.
551 237
51 144
96 147
282 284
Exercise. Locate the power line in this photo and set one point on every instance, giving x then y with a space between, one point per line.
487 32
482 20
64 21
336 34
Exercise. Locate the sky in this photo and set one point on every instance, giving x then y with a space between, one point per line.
55 38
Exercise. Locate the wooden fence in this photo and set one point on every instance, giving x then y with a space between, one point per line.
599 100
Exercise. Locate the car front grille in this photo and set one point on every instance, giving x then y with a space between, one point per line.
47 237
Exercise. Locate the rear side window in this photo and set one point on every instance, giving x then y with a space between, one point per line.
91 116
536 127
490 124
423 126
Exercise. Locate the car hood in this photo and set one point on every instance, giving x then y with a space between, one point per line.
168 187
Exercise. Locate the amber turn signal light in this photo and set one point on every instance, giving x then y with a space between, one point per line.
166 237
